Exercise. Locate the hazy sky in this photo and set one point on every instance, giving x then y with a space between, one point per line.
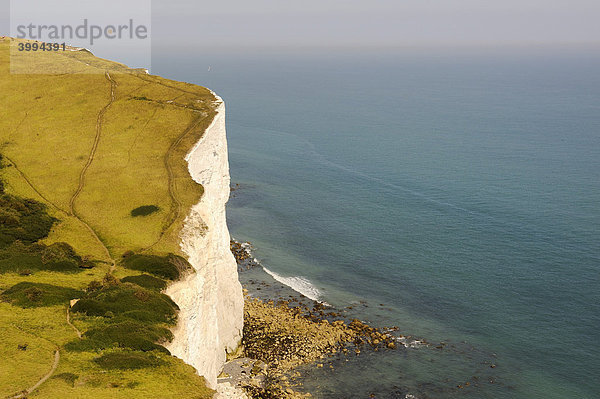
368 23
377 22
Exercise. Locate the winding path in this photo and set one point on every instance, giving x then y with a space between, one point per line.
176 205
174 213
73 213
30 184
28 391
71 324
90 159
87 165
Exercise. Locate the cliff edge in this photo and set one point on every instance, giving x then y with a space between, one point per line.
210 300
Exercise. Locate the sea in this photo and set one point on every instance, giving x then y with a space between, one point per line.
453 193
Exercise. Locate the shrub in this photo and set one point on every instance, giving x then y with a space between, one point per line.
64 266
14 261
109 280
146 281
124 301
94 285
61 257
168 267
33 294
144 210
142 295
128 335
23 219
144 316
58 252
58 257
27 294
128 360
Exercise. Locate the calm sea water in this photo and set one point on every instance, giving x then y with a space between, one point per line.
456 195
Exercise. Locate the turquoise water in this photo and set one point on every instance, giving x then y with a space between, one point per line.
458 195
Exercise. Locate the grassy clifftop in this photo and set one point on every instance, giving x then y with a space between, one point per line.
99 151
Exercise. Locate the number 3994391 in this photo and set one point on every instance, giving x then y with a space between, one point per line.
42 46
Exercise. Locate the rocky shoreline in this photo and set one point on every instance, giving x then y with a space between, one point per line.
281 334
242 251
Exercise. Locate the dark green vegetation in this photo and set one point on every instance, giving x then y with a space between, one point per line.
128 360
135 316
168 267
134 312
134 320
81 109
128 301
144 210
128 334
27 295
1 182
146 281
23 223
26 259
23 220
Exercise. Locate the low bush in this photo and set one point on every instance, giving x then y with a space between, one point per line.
128 360
144 316
168 267
144 210
23 219
59 252
147 281
128 301
93 285
58 257
127 335
28 295
15 262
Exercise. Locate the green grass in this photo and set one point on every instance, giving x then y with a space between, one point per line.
21 368
128 360
51 120
47 131
69 378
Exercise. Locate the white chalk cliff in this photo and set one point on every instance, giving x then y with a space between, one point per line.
210 300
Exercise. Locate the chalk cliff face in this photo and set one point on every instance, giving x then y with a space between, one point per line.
210 300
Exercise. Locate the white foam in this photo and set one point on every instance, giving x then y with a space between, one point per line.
297 283
407 343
